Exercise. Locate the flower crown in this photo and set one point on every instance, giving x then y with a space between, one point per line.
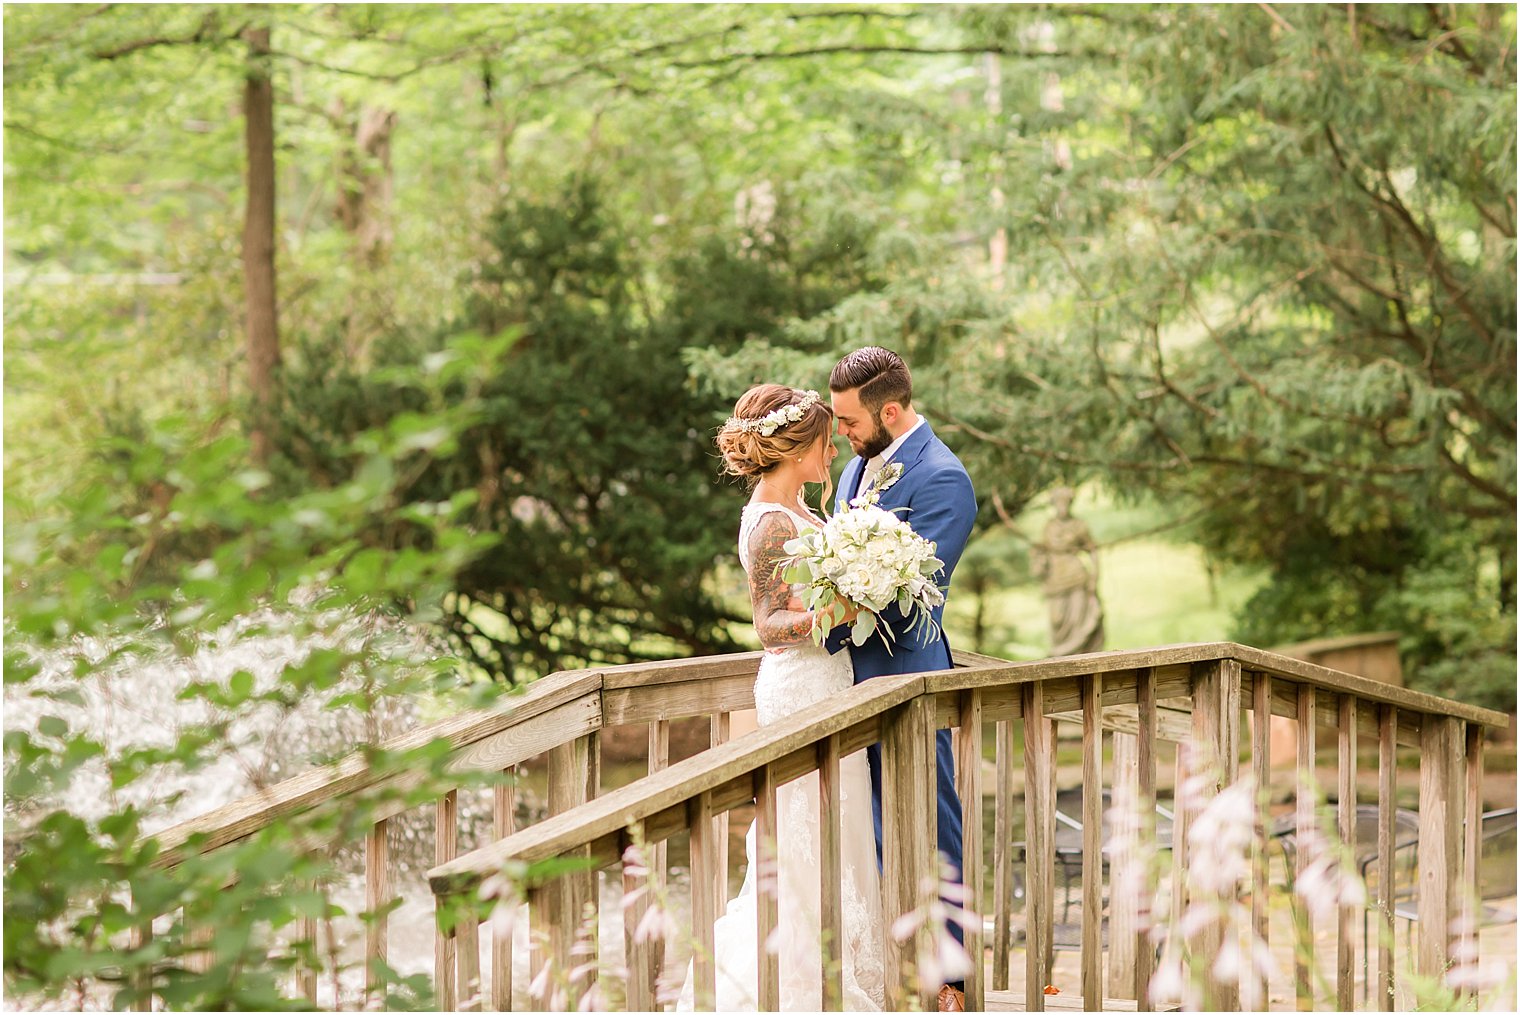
773 421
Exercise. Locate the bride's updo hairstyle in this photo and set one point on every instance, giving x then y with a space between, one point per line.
771 423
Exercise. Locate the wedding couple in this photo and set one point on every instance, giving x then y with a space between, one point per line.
780 440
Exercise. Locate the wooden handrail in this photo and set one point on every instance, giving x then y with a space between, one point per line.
467 735
599 823
1175 657
1218 679
354 773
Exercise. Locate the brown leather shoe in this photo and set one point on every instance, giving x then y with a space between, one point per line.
951 999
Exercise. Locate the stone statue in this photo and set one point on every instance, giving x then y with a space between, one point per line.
1071 588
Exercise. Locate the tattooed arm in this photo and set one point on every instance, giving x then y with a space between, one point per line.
778 620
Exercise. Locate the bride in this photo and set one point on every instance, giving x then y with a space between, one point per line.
778 440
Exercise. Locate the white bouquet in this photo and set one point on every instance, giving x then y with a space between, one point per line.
869 558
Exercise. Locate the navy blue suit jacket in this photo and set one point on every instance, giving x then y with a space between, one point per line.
936 491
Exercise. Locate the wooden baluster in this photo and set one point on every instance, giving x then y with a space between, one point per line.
1303 822
718 734
1388 725
445 846
1472 847
1126 942
767 962
467 956
1181 818
545 901
377 895
968 783
909 837
142 937
1216 730
643 973
1092 842
196 937
1145 746
831 876
503 824
1261 760
1439 853
572 773
659 760
588 912
306 978
704 899
1002 857
1039 853
1345 953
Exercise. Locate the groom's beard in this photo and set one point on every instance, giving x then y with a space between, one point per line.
874 445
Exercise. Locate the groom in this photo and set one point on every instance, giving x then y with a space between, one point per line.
872 393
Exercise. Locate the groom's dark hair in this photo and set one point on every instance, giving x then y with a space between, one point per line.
880 374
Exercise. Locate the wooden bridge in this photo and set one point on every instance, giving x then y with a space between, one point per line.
1189 693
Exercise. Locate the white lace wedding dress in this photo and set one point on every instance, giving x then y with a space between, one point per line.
789 680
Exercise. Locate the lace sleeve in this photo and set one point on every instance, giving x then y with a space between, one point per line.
776 625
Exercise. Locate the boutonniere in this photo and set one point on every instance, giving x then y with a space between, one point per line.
879 484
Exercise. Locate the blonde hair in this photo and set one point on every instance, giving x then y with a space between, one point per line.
750 454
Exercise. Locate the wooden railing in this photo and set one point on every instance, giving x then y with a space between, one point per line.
558 716
1192 693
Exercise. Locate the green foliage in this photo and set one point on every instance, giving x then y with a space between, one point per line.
96 585
589 455
1260 277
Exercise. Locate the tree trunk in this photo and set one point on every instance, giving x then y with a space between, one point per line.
259 239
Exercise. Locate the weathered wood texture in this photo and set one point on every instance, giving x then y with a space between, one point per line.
725 771
1307 792
377 894
1472 841
767 914
445 843
1384 994
968 784
1002 857
1345 951
1216 761
830 876
1439 856
1261 777
1039 852
908 836
503 824
1126 941
1092 841
705 904
1147 715
354 773
1143 692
